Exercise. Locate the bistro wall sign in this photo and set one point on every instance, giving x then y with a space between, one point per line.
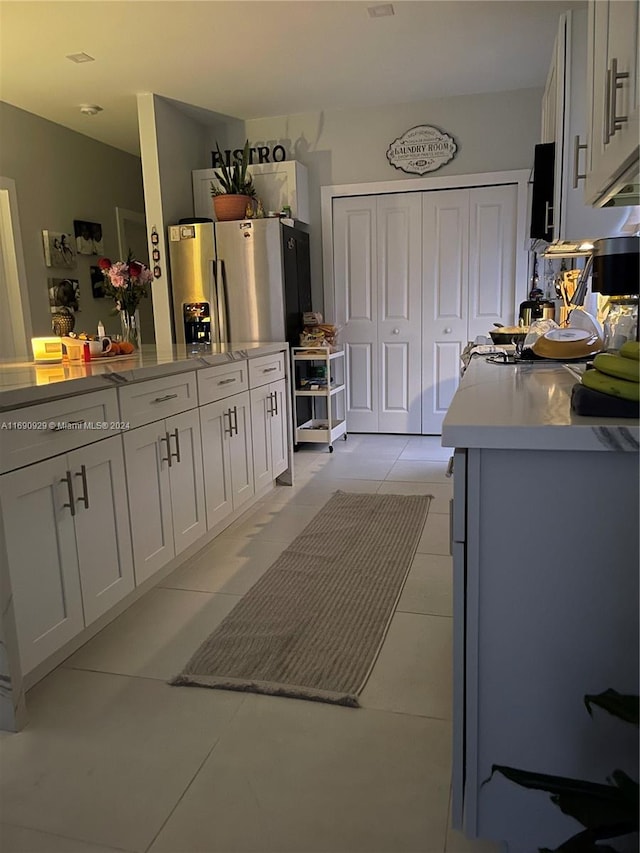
421 149
260 154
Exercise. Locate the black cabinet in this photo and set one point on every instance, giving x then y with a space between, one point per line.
542 195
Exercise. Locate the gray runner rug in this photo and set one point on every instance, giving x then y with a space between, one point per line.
312 626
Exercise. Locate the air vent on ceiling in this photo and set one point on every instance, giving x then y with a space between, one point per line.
80 57
380 11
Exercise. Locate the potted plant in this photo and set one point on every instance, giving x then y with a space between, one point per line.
234 190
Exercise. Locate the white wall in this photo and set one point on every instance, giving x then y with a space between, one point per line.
61 176
493 132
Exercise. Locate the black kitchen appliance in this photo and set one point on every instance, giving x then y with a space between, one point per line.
542 192
616 266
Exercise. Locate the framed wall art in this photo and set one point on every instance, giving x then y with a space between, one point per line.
97 283
64 293
88 237
59 249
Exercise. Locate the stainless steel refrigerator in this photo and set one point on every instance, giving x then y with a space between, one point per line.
239 281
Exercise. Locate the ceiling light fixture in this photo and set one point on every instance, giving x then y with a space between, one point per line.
381 11
80 57
90 109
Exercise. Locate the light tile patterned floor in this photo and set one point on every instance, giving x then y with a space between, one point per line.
113 759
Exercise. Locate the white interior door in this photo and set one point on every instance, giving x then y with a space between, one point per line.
399 332
356 306
492 258
445 293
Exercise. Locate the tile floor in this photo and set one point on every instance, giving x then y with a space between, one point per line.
114 759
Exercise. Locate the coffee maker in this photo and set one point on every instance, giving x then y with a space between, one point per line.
615 273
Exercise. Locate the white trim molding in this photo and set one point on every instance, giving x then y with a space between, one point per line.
519 177
13 272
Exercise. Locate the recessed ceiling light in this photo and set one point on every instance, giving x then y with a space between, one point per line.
90 109
80 57
380 11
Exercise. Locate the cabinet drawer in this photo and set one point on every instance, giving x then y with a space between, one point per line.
145 402
215 383
34 433
267 368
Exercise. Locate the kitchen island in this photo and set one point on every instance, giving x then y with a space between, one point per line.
112 473
544 541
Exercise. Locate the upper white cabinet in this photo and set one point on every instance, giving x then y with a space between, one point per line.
564 121
277 185
612 97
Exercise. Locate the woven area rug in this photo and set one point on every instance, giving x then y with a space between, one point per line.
312 626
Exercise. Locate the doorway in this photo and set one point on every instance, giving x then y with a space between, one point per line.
132 237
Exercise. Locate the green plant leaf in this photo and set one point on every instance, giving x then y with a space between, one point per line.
594 805
623 706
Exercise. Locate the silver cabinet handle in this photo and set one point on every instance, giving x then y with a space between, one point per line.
229 431
165 398
577 148
67 479
85 492
226 381
607 108
175 455
275 402
165 437
235 419
615 121
269 400
449 471
269 369
548 208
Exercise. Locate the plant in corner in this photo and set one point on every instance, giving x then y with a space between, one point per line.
234 189
605 811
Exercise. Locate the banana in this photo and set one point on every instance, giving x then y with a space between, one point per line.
614 365
630 349
609 385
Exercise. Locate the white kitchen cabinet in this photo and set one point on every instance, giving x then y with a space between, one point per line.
227 456
78 562
277 185
269 432
166 490
613 98
564 119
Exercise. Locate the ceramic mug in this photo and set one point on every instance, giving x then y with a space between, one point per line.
100 346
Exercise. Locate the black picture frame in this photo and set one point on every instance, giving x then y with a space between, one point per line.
88 237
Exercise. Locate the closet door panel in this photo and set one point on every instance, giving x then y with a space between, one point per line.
356 288
399 255
445 293
492 241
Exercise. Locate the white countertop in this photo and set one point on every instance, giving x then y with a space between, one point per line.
528 407
23 383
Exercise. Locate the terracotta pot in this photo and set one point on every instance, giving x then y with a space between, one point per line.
228 207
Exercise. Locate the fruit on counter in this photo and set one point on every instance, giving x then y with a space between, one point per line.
615 365
630 349
115 348
598 381
126 348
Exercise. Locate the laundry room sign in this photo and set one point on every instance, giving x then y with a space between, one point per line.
421 149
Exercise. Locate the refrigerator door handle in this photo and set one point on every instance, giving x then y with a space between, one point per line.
221 303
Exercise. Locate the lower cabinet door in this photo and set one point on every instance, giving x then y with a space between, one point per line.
278 424
102 525
216 429
261 408
241 458
186 479
146 456
42 558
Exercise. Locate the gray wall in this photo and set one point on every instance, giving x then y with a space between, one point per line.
493 132
61 176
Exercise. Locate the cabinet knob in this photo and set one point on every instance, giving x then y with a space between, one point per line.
448 330
396 331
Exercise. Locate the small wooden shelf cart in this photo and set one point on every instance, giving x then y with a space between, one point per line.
319 374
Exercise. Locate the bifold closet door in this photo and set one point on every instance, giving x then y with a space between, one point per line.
377 274
445 297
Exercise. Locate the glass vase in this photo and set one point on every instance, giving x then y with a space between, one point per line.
130 328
